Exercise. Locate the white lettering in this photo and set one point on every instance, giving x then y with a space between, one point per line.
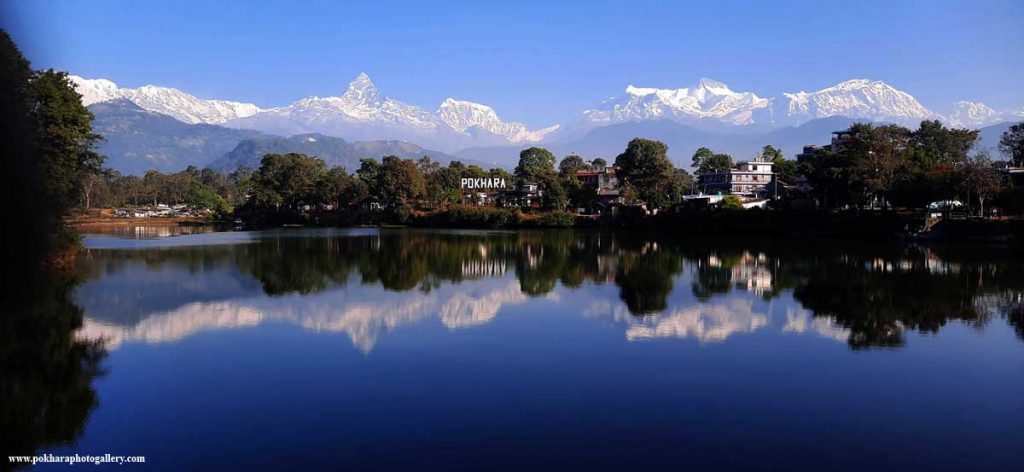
489 183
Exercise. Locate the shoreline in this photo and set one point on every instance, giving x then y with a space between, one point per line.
769 224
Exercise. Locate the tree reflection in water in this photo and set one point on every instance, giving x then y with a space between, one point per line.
875 292
46 373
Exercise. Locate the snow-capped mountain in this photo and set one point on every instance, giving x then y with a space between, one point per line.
360 108
362 112
462 116
708 99
968 114
858 98
165 100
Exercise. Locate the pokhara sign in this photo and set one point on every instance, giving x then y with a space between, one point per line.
486 183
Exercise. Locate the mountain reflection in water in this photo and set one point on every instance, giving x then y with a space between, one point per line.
365 284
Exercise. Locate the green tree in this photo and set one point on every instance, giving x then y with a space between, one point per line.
731 202
369 173
684 183
288 181
555 196
339 187
645 167
534 163
570 165
64 137
445 186
1011 144
598 163
785 170
499 173
932 143
400 181
706 160
474 172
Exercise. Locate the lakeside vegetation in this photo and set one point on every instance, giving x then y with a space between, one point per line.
885 168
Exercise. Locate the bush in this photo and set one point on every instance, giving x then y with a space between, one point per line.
731 202
476 217
555 219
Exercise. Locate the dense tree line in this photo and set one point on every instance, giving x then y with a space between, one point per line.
204 188
889 165
875 165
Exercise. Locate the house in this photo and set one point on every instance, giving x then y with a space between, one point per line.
605 183
369 203
747 178
526 195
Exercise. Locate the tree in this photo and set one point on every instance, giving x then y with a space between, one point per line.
289 181
645 167
339 187
683 183
474 172
555 196
499 173
27 208
64 137
1011 144
400 181
879 157
571 165
444 186
731 202
785 170
828 170
706 160
598 163
534 163
427 166
932 143
770 154
981 178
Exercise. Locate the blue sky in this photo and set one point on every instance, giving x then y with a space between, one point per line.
538 62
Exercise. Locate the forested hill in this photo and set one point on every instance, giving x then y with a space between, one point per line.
336 151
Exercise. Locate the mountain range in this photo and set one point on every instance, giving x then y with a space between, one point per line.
708 113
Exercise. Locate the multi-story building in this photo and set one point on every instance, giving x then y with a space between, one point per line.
747 178
604 182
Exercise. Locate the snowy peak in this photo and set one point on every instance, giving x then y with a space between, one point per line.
362 111
95 90
967 114
362 91
165 100
462 115
708 99
858 98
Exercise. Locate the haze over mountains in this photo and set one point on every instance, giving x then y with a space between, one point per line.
708 113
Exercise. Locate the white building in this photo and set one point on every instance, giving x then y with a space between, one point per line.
747 178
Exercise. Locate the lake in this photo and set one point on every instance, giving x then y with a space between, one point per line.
408 349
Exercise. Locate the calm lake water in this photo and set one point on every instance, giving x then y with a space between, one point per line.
399 349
